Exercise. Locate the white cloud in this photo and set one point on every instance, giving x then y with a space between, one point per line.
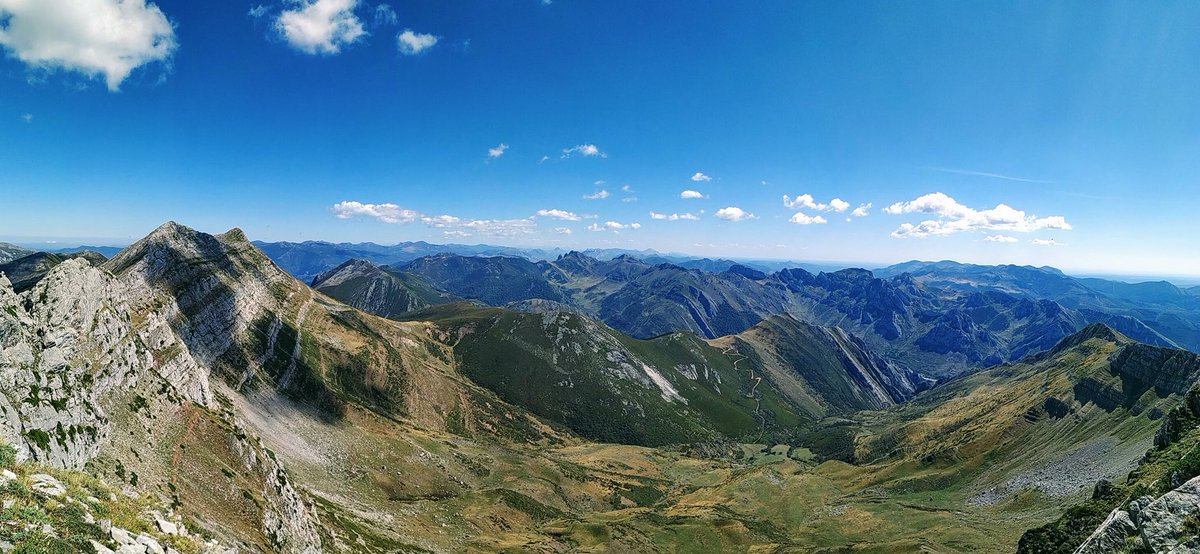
98 38
385 15
501 227
443 220
807 201
1046 242
801 218
673 217
690 194
393 213
562 214
598 195
258 11
863 210
734 213
628 199
411 43
562 230
585 150
387 213
455 234
954 217
701 177
1000 238
626 188
320 26
27 117
497 151
613 226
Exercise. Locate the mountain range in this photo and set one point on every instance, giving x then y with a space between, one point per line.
919 324
473 403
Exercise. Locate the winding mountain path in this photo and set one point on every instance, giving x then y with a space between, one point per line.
739 358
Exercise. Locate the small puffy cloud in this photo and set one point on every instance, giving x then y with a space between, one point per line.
320 26
863 210
455 234
701 177
561 214
673 217
691 194
953 217
411 43
807 201
385 15
626 188
1000 238
387 213
801 218
498 151
598 195
936 203
585 150
27 117
1045 242
613 226
734 213
258 11
98 38
562 230
629 199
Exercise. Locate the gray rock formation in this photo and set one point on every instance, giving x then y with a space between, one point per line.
72 348
86 350
1165 524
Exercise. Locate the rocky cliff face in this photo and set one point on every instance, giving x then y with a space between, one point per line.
74 351
27 271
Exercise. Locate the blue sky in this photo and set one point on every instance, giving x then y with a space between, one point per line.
1066 133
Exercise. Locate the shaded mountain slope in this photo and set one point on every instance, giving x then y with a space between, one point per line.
25 272
10 252
495 280
373 289
823 369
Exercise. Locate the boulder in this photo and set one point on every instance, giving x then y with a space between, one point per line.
46 485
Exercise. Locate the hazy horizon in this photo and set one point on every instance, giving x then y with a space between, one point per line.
1181 280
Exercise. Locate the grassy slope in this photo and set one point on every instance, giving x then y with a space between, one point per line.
561 367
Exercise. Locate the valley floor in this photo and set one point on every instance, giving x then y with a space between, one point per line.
379 490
